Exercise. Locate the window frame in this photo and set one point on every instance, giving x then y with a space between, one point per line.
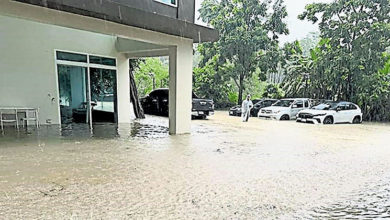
87 65
101 57
169 4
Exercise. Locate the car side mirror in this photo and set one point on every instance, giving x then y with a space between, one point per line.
338 109
295 106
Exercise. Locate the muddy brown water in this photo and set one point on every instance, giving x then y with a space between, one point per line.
225 169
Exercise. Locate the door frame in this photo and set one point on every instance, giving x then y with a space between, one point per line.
87 65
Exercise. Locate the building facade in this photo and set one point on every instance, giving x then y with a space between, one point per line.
70 58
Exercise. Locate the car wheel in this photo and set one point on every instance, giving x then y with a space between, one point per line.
285 118
328 120
356 120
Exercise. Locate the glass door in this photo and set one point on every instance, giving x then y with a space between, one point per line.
103 95
87 88
74 94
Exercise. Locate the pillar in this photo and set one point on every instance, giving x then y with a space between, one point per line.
180 88
123 90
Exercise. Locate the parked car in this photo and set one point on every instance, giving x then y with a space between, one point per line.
236 110
156 103
332 113
285 109
262 104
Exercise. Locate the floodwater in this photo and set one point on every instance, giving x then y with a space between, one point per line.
225 169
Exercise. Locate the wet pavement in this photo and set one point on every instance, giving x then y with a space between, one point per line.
225 169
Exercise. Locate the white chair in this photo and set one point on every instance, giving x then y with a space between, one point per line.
31 115
9 117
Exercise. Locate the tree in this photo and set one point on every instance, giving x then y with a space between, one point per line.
298 69
209 84
151 74
355 36
358 33
273 91
248 29
309 42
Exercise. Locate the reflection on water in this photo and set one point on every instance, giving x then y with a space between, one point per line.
138 128
371 202
225 169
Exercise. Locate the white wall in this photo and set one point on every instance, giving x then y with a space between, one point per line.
34 37
180 88
27 64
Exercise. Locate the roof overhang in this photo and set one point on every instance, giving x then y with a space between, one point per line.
136 49
114 12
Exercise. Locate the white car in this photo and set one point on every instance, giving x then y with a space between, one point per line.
332 113
284 109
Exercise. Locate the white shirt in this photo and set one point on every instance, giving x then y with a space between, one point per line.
246 105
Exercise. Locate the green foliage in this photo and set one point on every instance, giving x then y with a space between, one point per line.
273 91
255 86
309 42
148 69
248 29
297 71
209 84
233 97
348 63
348 60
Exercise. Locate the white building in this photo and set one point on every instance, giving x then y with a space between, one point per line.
56 55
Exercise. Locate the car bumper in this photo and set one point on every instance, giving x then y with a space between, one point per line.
270 116
201 113
234 113
309 120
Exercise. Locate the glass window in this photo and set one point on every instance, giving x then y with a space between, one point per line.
284 103
342 107
71 57
103 89
268 103
299 104
352 107
102 60
169 2
306 104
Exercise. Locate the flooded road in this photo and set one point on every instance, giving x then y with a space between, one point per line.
225 169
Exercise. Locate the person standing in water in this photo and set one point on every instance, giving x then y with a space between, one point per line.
246 108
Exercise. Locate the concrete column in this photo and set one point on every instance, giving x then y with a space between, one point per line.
180 88
123 90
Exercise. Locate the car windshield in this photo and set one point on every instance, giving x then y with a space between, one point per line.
284 103
326 106
256 101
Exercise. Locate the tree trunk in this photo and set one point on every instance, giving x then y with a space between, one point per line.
240 89
138 111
